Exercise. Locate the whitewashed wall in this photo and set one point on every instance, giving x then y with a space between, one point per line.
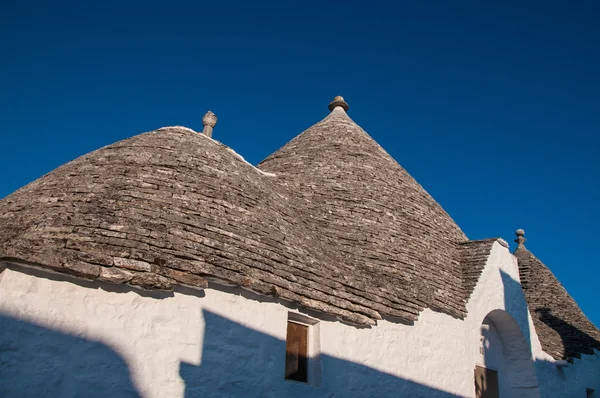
571 380
493 356
61 338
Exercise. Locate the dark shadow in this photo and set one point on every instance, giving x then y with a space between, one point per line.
550 375
236 361
575 341
241 362
515 304
38 362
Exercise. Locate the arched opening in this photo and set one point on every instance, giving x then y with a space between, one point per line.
505 367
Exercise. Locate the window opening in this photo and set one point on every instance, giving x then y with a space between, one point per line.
296 352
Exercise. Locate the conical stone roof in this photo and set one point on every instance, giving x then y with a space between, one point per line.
390 232
330 222
563 329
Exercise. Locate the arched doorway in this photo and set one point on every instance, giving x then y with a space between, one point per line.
505 367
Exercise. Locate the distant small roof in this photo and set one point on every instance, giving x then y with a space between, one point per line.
563 329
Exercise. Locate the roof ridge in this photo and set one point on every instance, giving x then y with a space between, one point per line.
480 240
473 256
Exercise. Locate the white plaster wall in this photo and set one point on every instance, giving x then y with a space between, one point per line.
572 380
553 380
220 344
492 356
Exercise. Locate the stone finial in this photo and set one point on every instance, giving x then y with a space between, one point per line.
338 101
520 237
209 121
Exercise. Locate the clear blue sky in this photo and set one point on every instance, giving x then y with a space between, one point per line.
494 107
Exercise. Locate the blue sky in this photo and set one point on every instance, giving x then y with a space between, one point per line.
492 106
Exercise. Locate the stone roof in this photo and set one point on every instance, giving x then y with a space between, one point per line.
473 257
389 232
330 222
563 329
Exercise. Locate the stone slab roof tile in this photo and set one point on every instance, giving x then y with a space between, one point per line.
473 257
330 222
393 234
563 329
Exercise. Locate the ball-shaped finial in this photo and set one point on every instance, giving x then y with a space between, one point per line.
210 119
338 101
520 237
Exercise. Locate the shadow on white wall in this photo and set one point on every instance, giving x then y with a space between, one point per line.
237 361
241 362
39 362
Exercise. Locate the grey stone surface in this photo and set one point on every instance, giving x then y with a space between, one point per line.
209 120
341 228
330 222
563 329
393 240
473 257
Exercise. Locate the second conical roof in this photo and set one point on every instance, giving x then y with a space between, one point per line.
391 232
